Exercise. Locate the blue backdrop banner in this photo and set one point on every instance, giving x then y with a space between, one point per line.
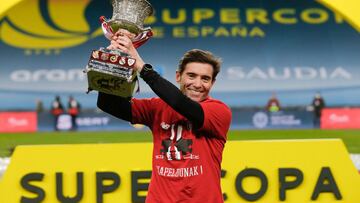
294 48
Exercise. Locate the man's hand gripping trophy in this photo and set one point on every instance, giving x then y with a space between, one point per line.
113 70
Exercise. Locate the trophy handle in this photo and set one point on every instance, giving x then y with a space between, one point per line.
141 38
106 28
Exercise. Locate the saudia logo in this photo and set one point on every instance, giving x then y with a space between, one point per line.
289 73
47 26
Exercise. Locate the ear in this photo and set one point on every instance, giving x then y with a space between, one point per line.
178 76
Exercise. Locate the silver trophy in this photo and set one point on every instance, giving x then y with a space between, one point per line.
110 71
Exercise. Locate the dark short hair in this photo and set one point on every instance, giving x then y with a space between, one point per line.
200 56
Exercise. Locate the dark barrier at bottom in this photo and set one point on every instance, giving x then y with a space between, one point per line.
88 121
242 119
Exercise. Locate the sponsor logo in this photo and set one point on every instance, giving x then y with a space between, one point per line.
335 118
276 119
51 75
64 122
93 121
48 29
285 120
18 122
288 73
340 118
260 120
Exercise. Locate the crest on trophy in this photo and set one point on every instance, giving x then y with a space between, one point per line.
110 71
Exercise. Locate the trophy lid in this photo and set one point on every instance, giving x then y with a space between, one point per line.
130 14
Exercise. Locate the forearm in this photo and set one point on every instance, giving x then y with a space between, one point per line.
114 105
174 97
163 88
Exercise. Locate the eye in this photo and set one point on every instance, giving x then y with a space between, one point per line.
191 75
206 79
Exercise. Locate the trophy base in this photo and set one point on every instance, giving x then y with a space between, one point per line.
111 73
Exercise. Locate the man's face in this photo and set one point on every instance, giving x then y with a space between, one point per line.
196 80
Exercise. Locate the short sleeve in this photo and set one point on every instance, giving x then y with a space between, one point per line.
143 111
217 118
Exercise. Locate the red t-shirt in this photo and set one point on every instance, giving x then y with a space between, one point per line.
186 164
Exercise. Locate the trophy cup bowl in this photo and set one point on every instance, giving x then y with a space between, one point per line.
110 71
130 15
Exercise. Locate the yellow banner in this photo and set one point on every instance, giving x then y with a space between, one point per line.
6 5
348 8
261 171
37 33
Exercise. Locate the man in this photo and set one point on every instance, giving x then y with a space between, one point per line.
56 110
73 110
189 128
273 105
318 104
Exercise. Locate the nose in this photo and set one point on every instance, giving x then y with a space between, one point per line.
197 83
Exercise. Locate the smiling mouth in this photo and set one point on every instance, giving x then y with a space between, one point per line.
195 92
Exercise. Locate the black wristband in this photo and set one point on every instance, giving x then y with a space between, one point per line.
145 69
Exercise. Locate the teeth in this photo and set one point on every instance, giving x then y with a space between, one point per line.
196 91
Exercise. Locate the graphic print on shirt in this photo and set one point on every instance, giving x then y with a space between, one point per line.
176 147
